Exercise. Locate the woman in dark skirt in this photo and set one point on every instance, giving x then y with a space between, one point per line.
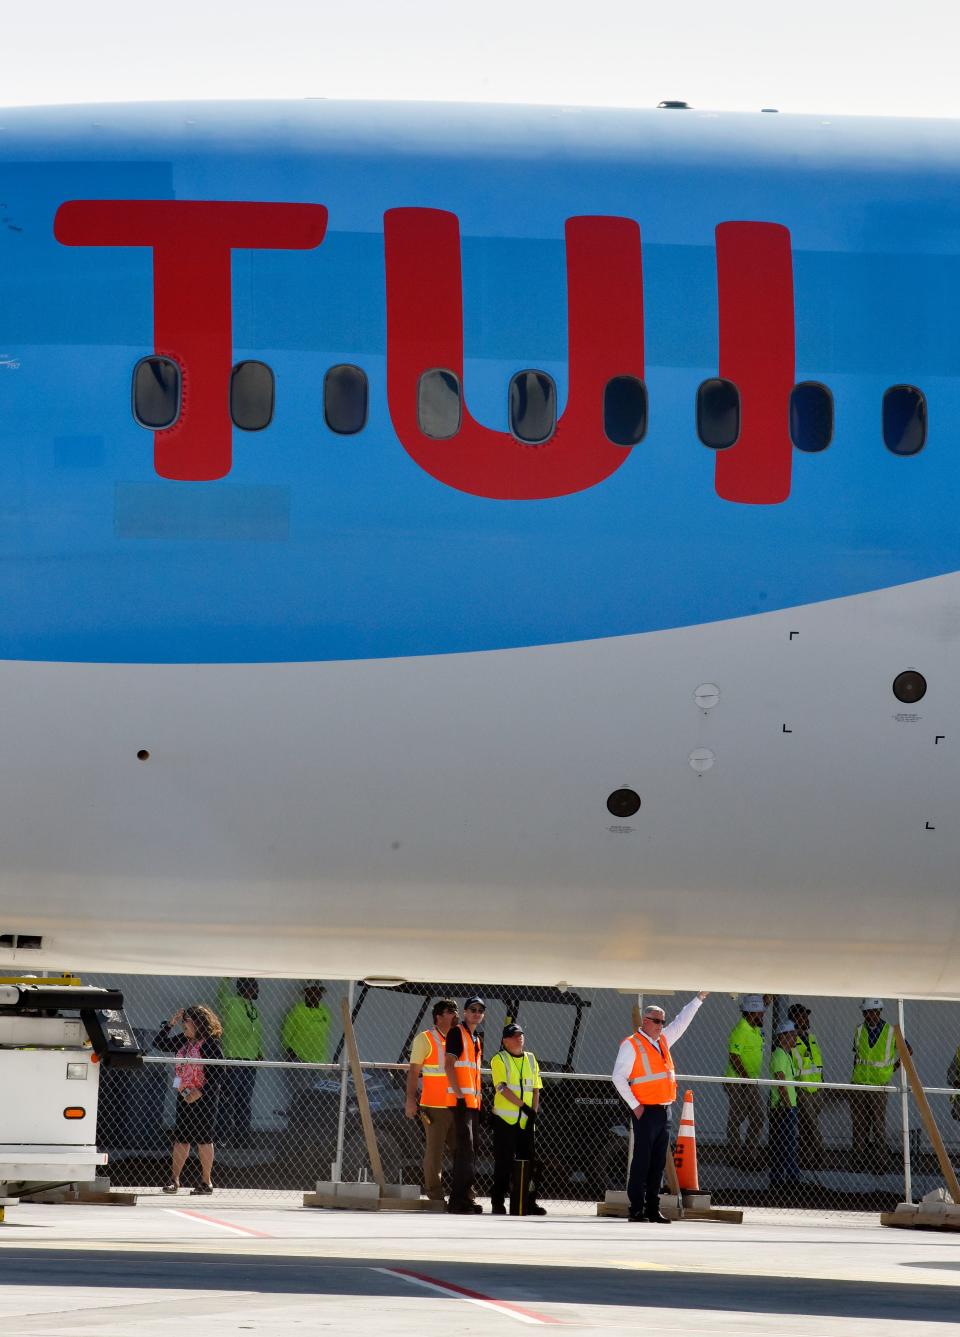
197 1086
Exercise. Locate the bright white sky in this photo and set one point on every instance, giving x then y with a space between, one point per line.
893 57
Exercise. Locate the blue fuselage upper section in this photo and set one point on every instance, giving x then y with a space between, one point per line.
319 546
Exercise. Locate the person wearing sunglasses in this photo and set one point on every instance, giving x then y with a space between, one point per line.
644 1076
464 1057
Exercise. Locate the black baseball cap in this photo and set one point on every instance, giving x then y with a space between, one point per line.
512 1029
475 1002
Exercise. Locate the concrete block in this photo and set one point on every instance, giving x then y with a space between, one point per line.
356 1192
937 1195
402 1191
343 1204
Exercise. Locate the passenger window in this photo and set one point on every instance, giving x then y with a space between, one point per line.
251 396
439 404
811 416
345 398
718 413
156 392
533 407
625 410
904 420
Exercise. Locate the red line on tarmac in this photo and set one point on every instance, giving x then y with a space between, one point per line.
506 1307
225 1225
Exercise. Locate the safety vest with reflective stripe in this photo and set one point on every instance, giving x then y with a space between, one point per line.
873 1064
434 1091
653 1080
467 1065
807 1055
516 1073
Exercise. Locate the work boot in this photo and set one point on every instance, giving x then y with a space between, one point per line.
497 1208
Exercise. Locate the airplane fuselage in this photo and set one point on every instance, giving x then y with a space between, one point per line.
373 690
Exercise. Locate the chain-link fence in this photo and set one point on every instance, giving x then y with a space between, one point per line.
284 1123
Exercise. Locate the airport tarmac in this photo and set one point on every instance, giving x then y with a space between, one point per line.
217 1267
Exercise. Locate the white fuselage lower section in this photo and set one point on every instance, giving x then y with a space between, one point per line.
445 818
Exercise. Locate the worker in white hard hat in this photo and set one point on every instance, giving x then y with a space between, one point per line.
745 1059
809 1059
783 1108
874 1063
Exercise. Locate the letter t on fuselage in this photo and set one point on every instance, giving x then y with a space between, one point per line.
191 242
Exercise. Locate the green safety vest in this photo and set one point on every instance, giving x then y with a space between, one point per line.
809 1058
519 1075
746 1041
242 1027
783 1061
305 1032
873 1064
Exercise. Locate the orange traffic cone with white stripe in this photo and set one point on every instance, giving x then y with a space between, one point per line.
685 1150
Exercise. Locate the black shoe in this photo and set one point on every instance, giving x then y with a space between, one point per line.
475 1208
498 1209
536 1210
657 1218
636 1216
172 1187
203 1191
460 1208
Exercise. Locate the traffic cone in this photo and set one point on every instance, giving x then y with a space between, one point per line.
685 1150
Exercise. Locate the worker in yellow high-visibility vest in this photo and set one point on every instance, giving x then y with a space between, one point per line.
745 1059
517 1084
874 1063
809 1060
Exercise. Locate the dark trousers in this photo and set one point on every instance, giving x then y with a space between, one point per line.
511 1143
782 1145
236 1096
466 1125
808 1126
651 1142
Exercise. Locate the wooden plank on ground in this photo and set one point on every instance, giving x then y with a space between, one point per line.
926 1114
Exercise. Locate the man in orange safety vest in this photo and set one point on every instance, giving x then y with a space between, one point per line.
427 1068
463 1060
644 1076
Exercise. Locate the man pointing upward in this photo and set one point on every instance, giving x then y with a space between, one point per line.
644 1076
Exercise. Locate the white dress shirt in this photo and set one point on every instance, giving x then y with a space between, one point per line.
671 1032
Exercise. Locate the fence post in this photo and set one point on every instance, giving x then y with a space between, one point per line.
905 1118
336 1170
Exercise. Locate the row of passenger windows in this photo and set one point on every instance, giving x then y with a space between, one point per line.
532 406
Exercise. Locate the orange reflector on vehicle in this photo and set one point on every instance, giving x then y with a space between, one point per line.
74 1112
